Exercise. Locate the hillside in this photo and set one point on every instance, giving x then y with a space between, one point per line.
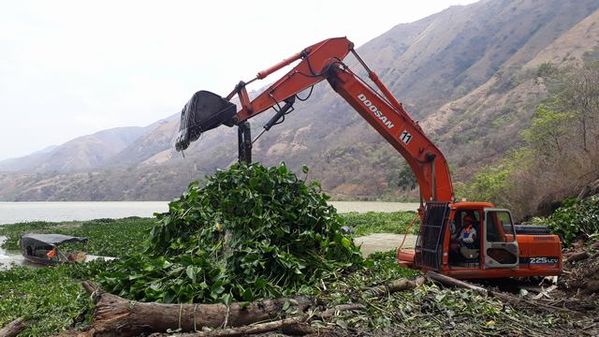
470 73
82 153
502 107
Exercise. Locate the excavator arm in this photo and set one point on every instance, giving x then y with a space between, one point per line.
396 126
324 61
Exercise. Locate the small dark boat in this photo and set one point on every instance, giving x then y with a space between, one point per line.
44 248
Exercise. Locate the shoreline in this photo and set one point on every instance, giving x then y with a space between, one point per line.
58 211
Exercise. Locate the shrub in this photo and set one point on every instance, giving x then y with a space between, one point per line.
576 219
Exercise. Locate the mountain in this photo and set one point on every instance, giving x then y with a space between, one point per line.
503 105
470 74
82 153
157 138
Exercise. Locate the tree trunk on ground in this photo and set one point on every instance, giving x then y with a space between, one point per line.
13 328
116 316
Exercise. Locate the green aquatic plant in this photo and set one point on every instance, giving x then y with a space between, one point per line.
49 298
250 232
376 222
107 237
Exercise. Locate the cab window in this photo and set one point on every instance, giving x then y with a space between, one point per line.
499 227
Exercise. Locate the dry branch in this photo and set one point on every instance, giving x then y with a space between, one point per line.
578 256
450 281
13 328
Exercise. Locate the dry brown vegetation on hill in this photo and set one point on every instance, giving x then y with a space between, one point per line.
560 155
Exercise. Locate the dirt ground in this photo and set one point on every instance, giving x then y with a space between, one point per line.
382 242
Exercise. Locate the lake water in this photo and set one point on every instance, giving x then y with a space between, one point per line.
11 212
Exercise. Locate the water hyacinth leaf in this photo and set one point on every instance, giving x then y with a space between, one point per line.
190 271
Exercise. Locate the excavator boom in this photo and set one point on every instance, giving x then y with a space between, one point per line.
324 61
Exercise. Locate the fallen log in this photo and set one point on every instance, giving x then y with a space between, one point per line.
13 328
295 326
116 316
450 281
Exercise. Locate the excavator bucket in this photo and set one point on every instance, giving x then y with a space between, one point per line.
204 111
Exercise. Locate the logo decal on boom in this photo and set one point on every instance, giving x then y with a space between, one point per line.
377 113
405 137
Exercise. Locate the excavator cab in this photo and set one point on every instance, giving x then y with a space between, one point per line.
204 111
496 248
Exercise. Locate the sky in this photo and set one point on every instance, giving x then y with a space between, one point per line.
71 68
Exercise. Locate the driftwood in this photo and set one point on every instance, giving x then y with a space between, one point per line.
13 328
505 297
116 316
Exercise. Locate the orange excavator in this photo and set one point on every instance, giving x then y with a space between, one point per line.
465 240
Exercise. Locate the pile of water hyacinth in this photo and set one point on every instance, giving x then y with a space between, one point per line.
249 232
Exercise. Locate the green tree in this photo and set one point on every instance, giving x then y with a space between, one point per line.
547 130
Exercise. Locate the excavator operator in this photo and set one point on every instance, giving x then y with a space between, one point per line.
468 234
465 245
468 240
